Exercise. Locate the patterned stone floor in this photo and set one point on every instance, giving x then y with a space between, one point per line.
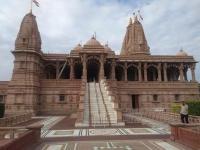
101 132
113 145
56 136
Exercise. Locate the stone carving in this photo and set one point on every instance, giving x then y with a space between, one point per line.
119 98
44 98
53 99
147 98
70 99
120 105
77 98
162 98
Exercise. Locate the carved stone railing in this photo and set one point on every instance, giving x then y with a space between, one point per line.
60 82
137 84
57 111
14 119
20 137
4 84
158 115
186 136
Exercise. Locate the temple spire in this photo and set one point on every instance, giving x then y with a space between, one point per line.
31 6
130 22
136 19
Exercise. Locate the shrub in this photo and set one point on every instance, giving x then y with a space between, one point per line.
2 110
193 107
176 108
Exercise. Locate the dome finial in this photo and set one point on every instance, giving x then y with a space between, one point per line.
130 21
136 19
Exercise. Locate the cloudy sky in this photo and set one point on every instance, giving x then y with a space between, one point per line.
168 25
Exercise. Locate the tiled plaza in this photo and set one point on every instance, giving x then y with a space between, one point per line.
60 133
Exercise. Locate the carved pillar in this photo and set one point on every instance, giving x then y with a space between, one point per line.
139 72
154 75
57 69
102 67
113 69
125 71
193 72
84 61
159 72
165 72
136 75
71 69
145 72
181 72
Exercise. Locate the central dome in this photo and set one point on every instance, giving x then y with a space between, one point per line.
181 53
93 42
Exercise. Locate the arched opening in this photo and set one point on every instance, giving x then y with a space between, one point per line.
78 71
119 73
152 73
93 67
66 72
185 70
107 71
50 71
173 73
132 73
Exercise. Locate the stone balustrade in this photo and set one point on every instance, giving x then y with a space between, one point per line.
184 135
60 82
20 137
14 119
157 115
57 111
4 84
12 132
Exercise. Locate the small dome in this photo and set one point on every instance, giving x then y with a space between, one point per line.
107 48
78 47
93 42
181 53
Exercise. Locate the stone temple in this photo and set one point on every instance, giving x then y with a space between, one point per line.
92 79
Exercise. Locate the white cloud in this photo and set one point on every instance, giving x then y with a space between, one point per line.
168 25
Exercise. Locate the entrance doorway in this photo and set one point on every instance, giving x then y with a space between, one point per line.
93 67
135 101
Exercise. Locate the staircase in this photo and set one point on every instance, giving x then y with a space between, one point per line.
97 103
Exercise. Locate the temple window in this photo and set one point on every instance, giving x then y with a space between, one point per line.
177 97
155 97
62 97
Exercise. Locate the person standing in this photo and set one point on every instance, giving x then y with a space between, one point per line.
184 112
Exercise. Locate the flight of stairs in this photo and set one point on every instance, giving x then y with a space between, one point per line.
91 106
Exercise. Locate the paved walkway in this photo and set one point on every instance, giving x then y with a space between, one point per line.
113 145
60 133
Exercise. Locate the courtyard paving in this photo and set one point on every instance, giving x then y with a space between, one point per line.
60 133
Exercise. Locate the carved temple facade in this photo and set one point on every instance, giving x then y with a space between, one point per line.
133 79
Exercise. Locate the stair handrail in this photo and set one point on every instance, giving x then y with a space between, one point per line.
97 98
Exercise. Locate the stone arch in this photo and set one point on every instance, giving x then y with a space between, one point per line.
173 73
78 70
107 70
50 71
66 72
152 72
119 73
132 72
